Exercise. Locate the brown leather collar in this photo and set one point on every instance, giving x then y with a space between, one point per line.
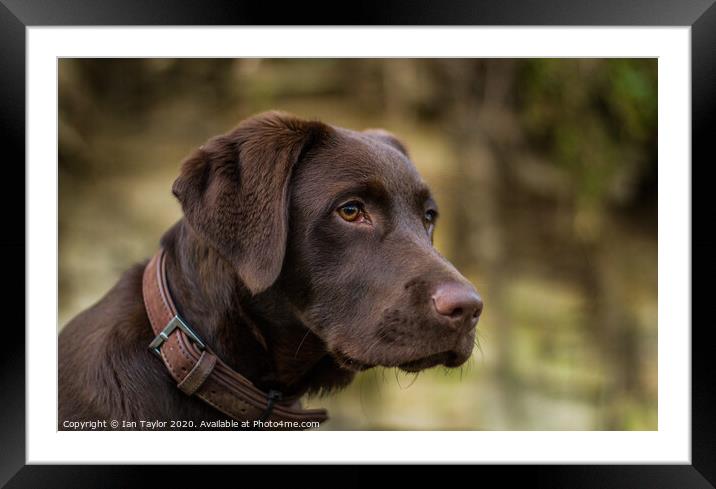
199 372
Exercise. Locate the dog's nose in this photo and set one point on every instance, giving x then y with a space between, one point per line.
460 303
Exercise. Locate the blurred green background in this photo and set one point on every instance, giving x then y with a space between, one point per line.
545 171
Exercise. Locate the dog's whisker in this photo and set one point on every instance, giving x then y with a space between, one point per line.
471 362
301 343
362 398
415 377
379 337
375 382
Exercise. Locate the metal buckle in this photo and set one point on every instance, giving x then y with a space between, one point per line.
174 323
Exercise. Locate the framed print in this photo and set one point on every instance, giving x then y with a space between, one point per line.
423 235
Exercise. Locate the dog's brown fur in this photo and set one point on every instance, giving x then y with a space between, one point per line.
285 291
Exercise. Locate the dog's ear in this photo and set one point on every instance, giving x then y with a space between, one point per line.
234 191
385 137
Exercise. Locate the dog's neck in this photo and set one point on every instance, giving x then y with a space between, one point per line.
258 337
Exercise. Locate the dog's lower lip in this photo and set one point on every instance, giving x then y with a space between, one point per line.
428 361
448 358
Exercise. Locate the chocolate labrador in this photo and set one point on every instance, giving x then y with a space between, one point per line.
304 256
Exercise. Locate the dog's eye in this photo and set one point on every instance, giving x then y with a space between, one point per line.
351 211
429 218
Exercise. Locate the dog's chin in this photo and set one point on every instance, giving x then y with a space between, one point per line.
455 356
449 359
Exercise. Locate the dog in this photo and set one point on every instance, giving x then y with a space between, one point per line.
304 255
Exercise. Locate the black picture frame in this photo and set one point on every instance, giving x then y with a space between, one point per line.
16 15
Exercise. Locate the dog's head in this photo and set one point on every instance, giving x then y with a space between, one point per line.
341 224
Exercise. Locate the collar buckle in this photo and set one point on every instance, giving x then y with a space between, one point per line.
174 323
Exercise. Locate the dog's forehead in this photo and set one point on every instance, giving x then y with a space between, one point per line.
353 157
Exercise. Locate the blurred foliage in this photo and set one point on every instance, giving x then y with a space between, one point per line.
598 121
545 171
